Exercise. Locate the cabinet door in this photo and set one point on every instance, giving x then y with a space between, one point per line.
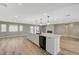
36 40
42 42
50 45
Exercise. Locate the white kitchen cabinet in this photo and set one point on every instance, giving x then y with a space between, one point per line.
53 45
50 45
34 38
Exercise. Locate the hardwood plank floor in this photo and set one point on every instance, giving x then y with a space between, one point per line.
69 46
19 46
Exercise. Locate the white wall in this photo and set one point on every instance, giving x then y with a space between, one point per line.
60 29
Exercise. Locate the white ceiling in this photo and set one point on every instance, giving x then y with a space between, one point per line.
30 13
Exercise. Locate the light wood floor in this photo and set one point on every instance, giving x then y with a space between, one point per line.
19 46
69 46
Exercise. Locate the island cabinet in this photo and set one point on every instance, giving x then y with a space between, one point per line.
52 43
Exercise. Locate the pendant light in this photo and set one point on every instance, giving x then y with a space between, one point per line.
40 21
41 25
48 20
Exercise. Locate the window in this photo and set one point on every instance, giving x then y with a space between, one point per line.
21 28
38 30
3 27
31 29
13 28
34 29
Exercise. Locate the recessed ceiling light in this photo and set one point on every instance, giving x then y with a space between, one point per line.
16 16
48 20
19 3
48 23
44 14
68 15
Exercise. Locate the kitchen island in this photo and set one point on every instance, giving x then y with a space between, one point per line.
52 43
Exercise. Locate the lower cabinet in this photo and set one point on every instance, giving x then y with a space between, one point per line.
36 40
52 45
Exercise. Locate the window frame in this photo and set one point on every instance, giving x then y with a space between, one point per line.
3 27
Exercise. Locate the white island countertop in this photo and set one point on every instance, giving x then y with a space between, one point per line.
50 35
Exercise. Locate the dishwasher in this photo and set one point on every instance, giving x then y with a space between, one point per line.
42 42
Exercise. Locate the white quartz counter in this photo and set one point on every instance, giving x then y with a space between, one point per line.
50 35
